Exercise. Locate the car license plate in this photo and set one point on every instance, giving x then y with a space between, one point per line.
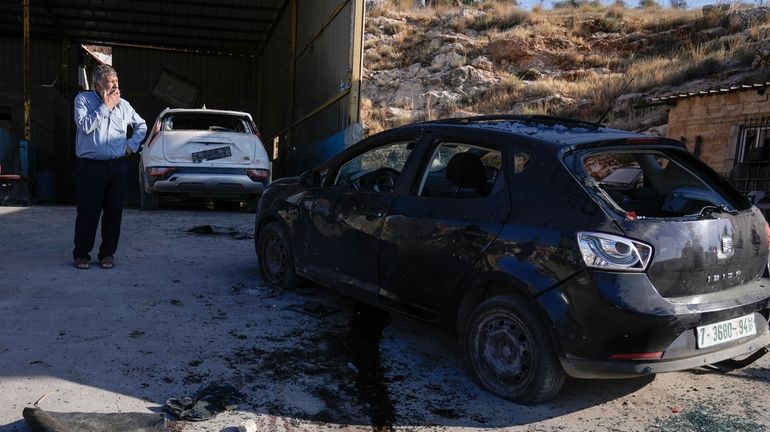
725 331
217 153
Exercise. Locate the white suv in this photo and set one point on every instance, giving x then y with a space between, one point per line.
203 153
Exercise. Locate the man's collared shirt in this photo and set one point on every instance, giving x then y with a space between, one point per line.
102 134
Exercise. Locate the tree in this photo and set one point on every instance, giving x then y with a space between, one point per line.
678 4
648 4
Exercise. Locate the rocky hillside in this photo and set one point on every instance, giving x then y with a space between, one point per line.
490 58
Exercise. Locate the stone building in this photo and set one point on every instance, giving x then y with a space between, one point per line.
728 129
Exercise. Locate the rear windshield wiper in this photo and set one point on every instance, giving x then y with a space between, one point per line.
708 211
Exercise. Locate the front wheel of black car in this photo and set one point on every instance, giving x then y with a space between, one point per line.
509 351
276 261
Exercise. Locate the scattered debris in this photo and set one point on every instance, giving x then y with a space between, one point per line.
248 426
230 232
707 417
314 308
136 333
42 421
41 363
202 230
208 402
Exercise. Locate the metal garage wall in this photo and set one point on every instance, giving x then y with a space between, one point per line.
223 82
275 83
49 149
322 75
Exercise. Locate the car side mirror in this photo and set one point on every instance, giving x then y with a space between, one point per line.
310 178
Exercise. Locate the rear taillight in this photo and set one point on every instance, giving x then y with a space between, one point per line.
638 356
258 175
611 252
160 172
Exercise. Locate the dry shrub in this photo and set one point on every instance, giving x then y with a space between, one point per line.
500 98
611 22
511 50
499 16
392 28
659 19
415 47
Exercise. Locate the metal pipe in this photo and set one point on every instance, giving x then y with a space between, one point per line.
24 144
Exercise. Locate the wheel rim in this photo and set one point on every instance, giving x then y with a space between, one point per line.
276 258
504 354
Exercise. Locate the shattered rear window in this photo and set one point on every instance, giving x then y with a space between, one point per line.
655 184
210 122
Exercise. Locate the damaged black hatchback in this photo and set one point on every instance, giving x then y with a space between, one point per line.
552 247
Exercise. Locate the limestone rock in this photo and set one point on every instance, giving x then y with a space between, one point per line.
483 63
447 60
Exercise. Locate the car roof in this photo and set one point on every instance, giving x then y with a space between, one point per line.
203 111
555 130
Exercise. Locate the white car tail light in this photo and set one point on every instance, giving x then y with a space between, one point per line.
611 252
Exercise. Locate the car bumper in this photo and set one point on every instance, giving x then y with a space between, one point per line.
605 323
582 368
208 185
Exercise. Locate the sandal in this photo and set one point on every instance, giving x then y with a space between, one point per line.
81 263
107 262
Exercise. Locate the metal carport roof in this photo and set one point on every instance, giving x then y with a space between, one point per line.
224 27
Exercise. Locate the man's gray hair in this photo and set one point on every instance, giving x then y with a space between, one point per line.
101 72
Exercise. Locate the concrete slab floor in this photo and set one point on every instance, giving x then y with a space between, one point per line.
182 310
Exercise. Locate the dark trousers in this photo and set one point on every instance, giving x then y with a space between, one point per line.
101 191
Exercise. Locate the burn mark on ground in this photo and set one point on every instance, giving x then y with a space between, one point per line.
338 364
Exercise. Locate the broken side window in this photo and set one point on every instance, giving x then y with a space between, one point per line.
458 170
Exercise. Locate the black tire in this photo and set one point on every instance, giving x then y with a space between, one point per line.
147 201
275 257
509 351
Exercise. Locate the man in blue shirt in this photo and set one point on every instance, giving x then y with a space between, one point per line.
102 144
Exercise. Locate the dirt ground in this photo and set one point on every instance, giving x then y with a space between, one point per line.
183 309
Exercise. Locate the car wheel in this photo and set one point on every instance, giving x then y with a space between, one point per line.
147 201
276 261
509 351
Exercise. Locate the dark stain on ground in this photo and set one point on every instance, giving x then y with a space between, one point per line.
208 230
348 357
363 348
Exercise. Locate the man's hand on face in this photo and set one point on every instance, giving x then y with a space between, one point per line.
110 97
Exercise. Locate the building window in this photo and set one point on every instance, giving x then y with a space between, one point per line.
754 143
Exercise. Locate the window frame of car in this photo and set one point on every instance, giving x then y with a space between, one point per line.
464 137
166 122
329 170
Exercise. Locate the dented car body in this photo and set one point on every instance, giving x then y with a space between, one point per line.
203 153
504 229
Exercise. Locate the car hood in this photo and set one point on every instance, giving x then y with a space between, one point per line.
221 148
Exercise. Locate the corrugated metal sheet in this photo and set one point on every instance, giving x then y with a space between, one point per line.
42 69
222 26
323 69
312 15
275 59
222 82
319 114
313 137
275 82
